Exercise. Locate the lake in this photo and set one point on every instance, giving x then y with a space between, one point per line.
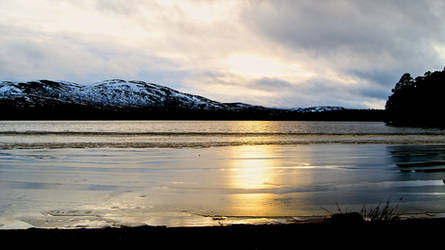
70 174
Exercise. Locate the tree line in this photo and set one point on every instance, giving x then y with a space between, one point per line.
418 101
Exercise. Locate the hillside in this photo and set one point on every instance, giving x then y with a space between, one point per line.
120 99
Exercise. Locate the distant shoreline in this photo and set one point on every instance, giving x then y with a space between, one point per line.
352 115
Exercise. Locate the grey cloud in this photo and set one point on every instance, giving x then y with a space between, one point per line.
271 84
29 54
318 91
375 93
359 30
374 41
379 77
312 92
123 7
328 25
229 79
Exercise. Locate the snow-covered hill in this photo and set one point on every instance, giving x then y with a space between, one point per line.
57 98
112 93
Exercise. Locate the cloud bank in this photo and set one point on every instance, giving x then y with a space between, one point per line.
279 53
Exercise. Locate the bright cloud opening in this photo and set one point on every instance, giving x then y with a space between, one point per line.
255 66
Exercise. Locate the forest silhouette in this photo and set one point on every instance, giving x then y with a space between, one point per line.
419 101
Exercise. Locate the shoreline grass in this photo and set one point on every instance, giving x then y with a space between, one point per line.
378 213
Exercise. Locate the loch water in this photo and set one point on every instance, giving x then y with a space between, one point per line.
70 174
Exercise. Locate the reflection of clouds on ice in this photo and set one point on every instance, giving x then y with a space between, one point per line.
418 158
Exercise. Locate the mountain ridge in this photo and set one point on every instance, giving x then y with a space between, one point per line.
129 99
116 92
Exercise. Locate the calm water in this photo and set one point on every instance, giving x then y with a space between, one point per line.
184 173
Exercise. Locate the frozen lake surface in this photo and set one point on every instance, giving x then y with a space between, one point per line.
71 174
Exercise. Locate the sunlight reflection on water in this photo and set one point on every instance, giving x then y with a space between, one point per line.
72 186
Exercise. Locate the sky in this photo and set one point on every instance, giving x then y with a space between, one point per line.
277 53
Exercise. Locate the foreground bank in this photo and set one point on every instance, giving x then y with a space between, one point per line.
410 232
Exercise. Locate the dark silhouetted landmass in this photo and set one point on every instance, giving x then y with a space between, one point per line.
422 233
138 100
419 101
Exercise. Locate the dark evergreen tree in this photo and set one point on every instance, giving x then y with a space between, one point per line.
418 101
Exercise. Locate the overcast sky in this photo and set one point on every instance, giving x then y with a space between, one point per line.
275 53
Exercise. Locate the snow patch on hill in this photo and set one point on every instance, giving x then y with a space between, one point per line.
318 109
113 92
119 93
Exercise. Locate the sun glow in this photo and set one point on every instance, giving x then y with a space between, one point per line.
250 65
